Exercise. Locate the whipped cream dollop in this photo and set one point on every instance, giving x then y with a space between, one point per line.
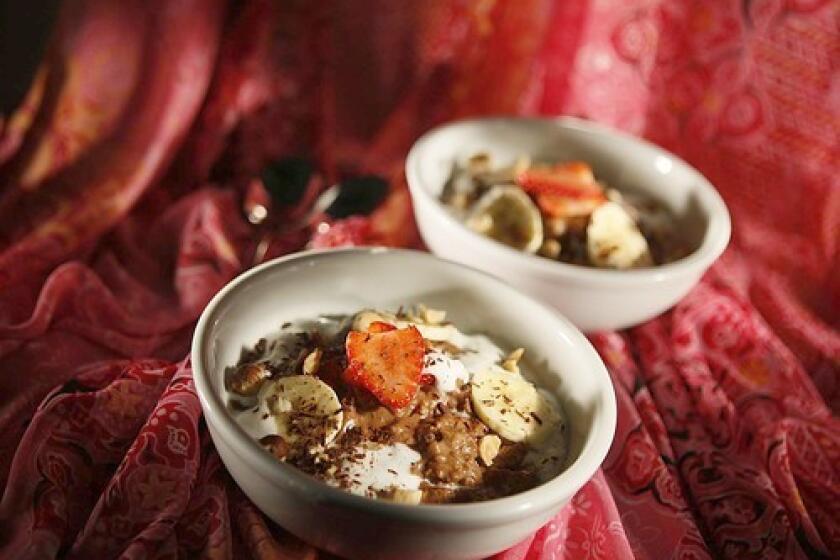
476 353
447 371
375 468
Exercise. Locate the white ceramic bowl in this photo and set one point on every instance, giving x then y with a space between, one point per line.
593 299
307 284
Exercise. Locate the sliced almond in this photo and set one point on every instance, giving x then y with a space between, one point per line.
403 496
312 362
511 362
434 316
516 355
488 448
363 319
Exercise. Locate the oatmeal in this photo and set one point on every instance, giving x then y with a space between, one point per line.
398 406
561 212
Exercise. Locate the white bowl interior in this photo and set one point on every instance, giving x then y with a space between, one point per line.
346 281
621 161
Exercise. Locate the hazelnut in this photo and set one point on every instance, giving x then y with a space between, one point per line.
248 378
555 227
550 248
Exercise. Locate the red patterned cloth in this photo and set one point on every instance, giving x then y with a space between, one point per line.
121 180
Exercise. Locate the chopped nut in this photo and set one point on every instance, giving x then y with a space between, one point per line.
312 362
459 200
521 164
488 448
402 496
417 313
363 319
511 362
276 445
516 355
550 248
446 347
555 227
248 378
577 223
479 163
434 316
510 366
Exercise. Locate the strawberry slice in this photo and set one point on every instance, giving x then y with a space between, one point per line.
427 379
388 364
572 180
380 327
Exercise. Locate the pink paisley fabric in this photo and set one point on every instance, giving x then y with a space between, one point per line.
122 176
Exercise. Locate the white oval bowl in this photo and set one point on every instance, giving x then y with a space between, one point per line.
593 299
308 284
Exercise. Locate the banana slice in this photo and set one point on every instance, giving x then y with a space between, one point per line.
613 239
512 406
303 405
506 214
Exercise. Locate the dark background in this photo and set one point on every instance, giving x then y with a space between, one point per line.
24 29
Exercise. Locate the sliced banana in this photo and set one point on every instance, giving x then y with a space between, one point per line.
512 406
303 406
506 214
614 240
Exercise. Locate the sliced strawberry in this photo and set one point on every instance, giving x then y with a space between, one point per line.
380 327
427 379
572 180
388 364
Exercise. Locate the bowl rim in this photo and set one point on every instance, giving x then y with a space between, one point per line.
494 512
715 239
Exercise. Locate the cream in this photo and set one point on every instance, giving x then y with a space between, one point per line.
447 371
379 468
257 421
479 352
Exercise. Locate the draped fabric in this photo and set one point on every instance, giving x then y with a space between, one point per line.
122 178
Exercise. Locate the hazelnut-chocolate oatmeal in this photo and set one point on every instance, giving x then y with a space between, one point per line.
562 212
398 406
